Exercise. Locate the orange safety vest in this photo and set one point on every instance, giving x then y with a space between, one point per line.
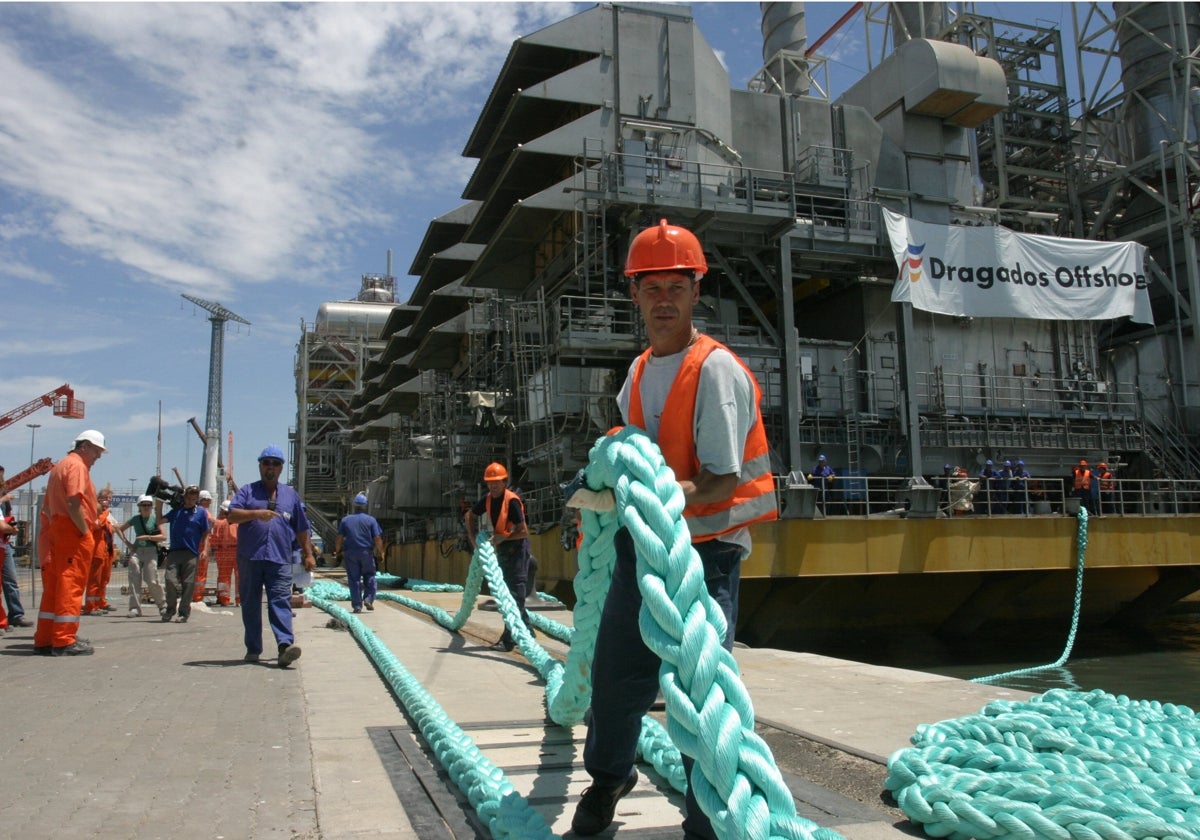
223 539
1107 481
1083 478
102 534
502 520
754 498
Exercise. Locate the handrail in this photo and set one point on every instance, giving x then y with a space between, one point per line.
874 495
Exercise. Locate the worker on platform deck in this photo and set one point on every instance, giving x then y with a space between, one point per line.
1082 484
822 477
1018 490
1105 485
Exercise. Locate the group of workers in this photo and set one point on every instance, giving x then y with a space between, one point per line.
262 522
1094 487
1007 489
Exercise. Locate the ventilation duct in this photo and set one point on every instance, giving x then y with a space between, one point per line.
785 43
1154 41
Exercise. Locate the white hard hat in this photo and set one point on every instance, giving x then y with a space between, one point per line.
225 506
204 494
93 437
145 500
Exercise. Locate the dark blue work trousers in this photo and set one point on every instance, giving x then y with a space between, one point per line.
255 577
360 579
514 565
625 671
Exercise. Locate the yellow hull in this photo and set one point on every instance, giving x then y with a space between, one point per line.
951 576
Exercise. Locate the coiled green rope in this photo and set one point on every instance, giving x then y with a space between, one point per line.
1063 765
708 709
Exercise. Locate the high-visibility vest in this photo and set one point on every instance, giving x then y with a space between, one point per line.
754 498
1083 478
502 527
1107 481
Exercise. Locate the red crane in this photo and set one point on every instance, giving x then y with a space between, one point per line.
40 468
61 400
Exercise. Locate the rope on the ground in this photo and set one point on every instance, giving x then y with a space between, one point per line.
1064 765
507 814
1080 555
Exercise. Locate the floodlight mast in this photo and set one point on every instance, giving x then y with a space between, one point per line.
212 421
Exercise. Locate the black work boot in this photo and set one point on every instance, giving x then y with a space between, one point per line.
596 808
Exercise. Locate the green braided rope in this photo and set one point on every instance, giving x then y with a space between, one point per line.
1063 766
506 813
709 713
1080 554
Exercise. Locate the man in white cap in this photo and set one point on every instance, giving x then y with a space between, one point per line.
143 559
223 544
69 512
202 562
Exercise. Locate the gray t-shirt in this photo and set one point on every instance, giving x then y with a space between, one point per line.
725 412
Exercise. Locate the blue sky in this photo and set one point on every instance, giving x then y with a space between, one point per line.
263 156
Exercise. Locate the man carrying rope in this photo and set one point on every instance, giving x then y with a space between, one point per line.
700 403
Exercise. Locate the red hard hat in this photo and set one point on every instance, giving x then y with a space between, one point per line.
1082 462
495 472
665 248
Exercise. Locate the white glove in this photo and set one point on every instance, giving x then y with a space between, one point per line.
597 500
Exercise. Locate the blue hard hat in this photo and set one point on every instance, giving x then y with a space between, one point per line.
989 462
820 457
360 499
1007 462
1020 463
947 467
272 451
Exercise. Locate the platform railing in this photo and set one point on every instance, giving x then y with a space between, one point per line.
863 495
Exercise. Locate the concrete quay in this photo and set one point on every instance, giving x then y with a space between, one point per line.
166 733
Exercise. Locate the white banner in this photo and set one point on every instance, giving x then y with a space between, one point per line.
993 272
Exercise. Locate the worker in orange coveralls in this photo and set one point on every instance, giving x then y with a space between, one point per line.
95 602
70 513
222 541
202 561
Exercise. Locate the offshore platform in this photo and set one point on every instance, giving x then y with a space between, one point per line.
519 330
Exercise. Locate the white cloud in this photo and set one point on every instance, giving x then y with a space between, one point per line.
234 144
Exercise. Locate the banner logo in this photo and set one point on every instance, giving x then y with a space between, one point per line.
914 261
